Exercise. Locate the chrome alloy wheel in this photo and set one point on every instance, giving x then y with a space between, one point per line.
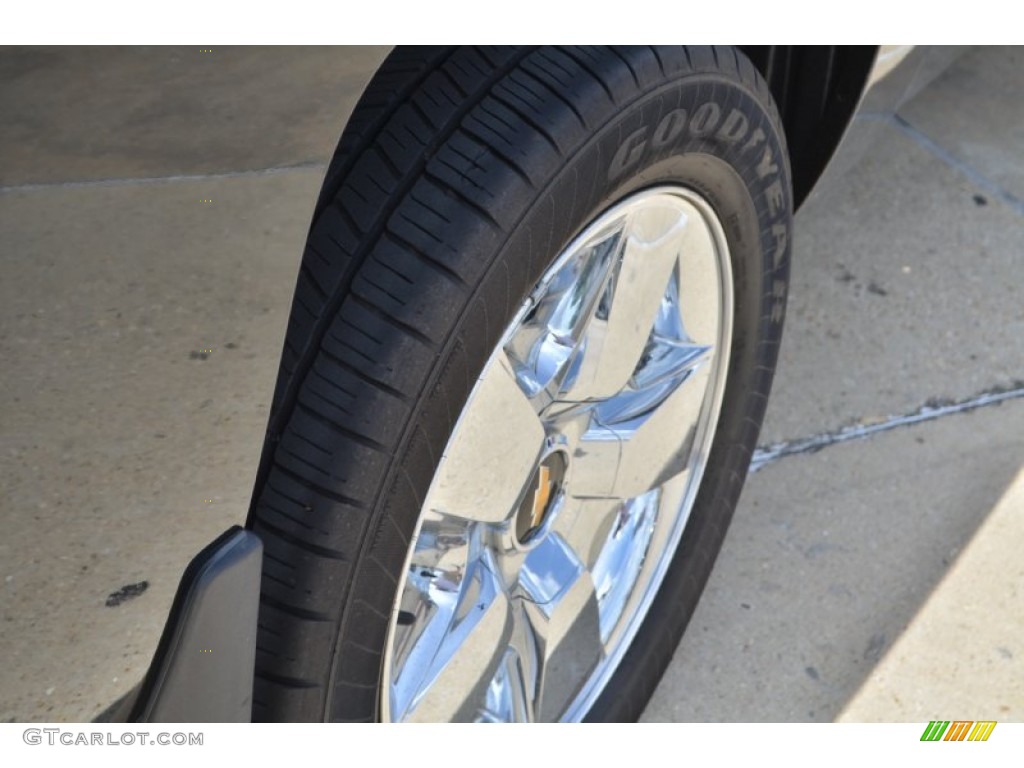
566 484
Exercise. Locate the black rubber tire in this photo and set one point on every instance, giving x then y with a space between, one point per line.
462 174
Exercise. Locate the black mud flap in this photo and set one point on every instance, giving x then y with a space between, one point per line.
202 671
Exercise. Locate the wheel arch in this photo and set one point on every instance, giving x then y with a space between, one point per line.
817 89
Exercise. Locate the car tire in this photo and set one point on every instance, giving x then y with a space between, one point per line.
465 182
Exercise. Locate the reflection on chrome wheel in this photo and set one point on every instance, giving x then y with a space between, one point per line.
565 487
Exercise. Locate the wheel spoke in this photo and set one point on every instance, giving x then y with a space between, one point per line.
611 537
619 332
668 392
493 451
595 452
622 552
699 282
514 692
584 525
560 604
509 696
647 459
459 633
544 344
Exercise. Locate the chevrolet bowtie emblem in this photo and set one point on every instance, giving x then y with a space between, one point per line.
541 496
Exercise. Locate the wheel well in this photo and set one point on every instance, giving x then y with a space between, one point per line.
817 88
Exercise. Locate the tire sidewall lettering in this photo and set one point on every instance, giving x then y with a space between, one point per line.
669 128
734 127
629 153
703 121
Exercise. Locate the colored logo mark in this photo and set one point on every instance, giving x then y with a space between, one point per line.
958 730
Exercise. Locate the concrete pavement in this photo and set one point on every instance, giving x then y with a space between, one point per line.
871 580
153 207
878 580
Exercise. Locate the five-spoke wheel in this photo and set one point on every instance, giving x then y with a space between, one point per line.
566 484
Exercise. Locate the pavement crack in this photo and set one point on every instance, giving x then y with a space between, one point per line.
957 164
252 173
932 409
